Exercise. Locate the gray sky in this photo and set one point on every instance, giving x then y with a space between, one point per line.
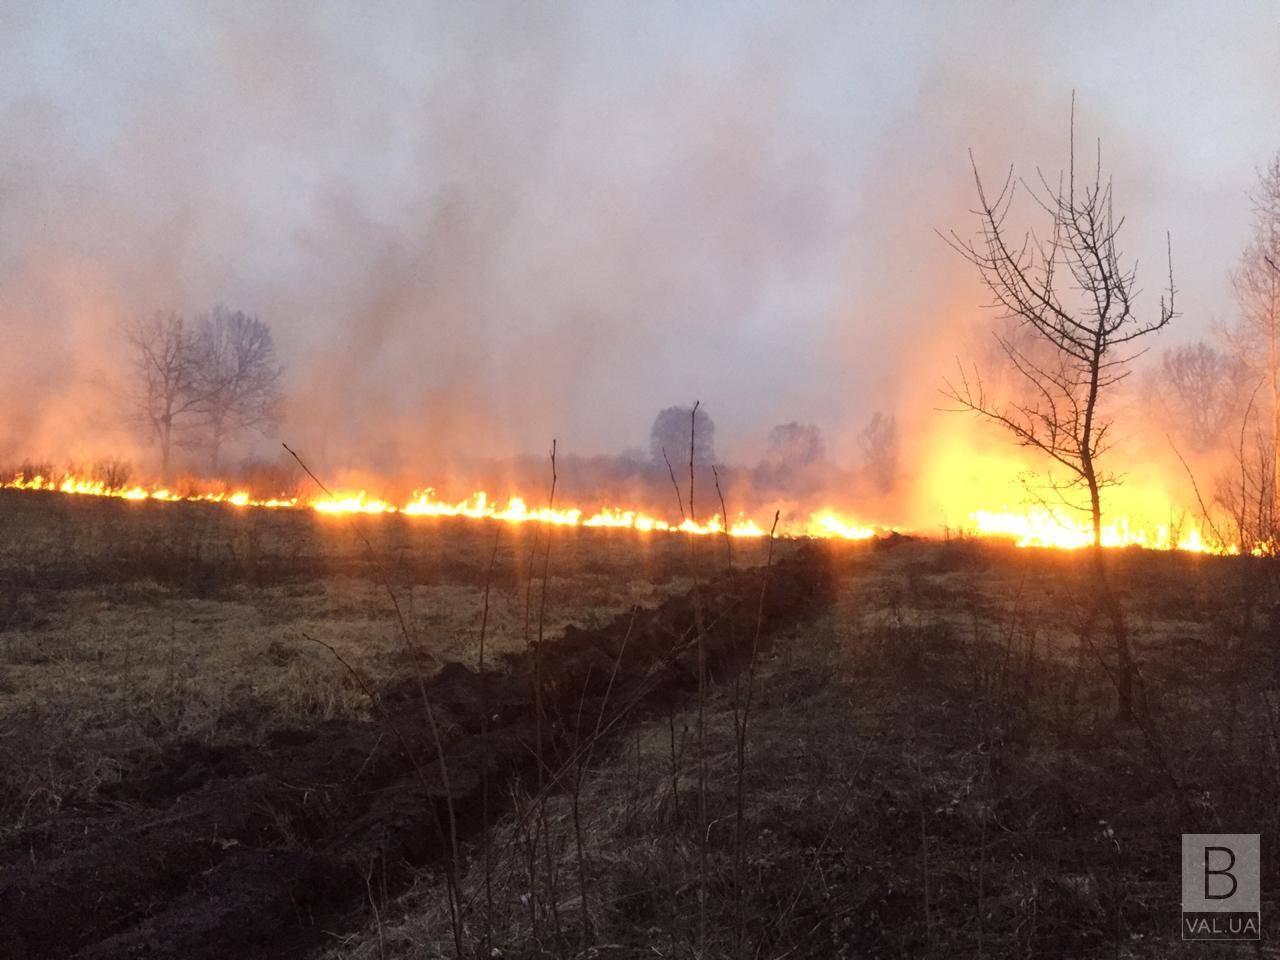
481 225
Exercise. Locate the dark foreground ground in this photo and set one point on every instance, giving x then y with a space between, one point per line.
215 742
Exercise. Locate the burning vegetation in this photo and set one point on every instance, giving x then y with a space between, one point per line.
926 637
1175 455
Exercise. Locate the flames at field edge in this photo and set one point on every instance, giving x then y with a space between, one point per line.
1035 527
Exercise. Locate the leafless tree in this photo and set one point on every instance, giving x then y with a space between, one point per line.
1246 493
163 392
1200 390
795 459
879 443
1257 283
236 377
1070 292
673 430
795 445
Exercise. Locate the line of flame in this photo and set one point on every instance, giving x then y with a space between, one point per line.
479 506
1036 527
1039 527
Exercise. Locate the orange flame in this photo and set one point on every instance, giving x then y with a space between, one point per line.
480 506
1033 527
1040 527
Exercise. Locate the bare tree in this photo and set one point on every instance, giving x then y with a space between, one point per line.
879 443
673 430
1069 291
795 445
1200 390
163 393
1246 493
1257 283
237 377
794 461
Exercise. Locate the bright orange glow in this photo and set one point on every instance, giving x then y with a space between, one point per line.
354 504
1040 527
96 488
479 506
981 485
975 478
827 524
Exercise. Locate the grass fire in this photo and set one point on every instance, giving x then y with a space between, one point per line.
551 480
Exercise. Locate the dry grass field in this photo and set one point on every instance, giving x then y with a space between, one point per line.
124 626
930 764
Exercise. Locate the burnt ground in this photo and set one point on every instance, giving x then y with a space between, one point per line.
256 849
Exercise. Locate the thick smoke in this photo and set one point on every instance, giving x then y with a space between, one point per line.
476 227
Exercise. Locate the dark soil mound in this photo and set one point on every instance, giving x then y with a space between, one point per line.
250 851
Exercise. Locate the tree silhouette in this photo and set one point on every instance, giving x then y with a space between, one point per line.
670 432
162 392
237 377
1069 292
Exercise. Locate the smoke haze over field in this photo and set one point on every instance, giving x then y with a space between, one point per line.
473 227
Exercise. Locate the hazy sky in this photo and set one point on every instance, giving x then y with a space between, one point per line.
482 225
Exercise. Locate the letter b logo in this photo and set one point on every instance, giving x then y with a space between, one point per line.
1220 890
1226 860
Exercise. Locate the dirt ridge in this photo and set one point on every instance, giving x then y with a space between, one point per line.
253 851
